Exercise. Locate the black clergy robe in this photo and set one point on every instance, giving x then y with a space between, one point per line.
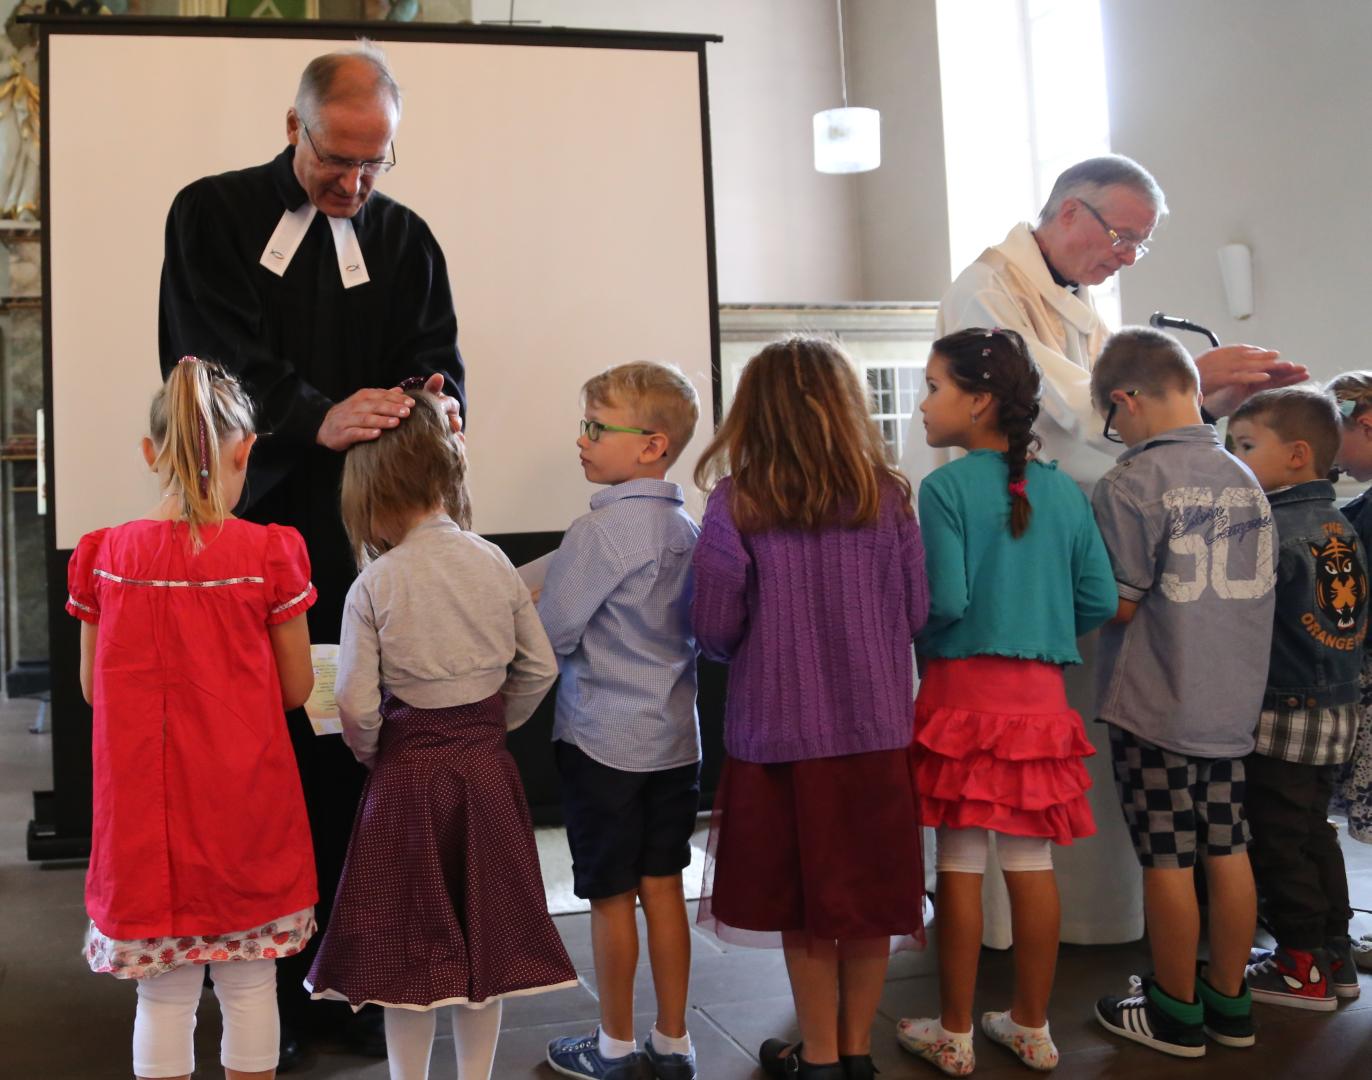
301 342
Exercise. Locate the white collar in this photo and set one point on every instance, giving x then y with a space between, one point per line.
290 231
1023 250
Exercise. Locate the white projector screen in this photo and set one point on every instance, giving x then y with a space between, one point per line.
567 184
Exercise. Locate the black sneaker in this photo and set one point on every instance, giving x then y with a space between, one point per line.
1222 1023
1139 1018
1343 968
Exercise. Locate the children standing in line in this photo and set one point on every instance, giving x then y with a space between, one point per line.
193 643
441 899
1191 539
1289 438
810 583
999 748
616 606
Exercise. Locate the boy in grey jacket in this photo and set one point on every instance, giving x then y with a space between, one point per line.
1191 540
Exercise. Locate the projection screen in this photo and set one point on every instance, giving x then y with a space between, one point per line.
566 184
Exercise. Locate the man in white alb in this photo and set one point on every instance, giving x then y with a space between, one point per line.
1099 217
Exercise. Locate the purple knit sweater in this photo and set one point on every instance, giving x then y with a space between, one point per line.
817 627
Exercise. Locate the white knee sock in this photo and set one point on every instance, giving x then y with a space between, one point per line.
475 1034
409 1042
164 1023
246 990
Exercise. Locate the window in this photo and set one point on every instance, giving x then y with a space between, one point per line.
1023 97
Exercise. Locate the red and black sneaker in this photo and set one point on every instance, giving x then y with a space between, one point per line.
1294 978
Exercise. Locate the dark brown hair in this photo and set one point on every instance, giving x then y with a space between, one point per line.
197 392
417 464
799 442
1298 413
996 362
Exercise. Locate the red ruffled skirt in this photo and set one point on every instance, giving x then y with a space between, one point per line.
828 848
999 748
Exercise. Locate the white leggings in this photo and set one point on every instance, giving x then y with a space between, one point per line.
963 851
410 1040
164 1025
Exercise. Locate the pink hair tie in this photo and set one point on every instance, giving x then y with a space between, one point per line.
1018 487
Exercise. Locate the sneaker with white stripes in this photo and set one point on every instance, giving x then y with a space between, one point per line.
1139 1017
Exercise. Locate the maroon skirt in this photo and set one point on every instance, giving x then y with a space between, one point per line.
441 899
828 847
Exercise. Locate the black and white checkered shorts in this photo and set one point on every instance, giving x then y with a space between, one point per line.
1177 806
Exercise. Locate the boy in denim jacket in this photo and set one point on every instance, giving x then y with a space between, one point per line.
1309 717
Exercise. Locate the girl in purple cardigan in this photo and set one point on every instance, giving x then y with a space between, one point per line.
809 582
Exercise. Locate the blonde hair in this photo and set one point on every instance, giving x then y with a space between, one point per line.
1354 386
660 396
198 407
415 465
800 442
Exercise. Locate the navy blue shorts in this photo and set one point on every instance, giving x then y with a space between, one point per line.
622 826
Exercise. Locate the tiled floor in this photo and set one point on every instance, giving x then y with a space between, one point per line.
59 1022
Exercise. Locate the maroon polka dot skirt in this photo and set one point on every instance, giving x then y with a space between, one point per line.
441 899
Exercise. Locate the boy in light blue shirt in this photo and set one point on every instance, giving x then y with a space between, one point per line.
616 605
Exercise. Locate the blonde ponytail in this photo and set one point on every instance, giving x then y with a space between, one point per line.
198 406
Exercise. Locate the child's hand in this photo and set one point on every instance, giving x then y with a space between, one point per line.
534 594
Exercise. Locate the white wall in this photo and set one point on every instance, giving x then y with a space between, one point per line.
1253 115
902 206
784 232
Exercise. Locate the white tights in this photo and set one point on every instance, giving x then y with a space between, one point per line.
964 851
410 1040
164 1023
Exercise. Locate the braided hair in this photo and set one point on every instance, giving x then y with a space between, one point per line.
996 362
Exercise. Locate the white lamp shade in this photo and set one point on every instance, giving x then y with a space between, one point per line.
847 140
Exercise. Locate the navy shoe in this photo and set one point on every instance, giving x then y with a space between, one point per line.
670 1066
579 1055
1138 1017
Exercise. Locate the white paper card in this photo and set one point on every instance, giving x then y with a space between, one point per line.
322 708
533 573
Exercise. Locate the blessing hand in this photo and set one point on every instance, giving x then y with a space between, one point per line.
1231 374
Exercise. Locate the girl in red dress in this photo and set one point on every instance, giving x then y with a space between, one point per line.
193 645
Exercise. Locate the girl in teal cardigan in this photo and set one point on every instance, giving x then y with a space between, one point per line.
1017 571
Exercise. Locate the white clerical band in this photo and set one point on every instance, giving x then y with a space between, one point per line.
290 231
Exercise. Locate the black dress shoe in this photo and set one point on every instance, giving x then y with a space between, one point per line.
292 1052
857 1066
365 1033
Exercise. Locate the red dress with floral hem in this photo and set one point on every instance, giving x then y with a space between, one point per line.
198 822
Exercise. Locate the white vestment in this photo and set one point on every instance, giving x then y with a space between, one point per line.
1009 286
